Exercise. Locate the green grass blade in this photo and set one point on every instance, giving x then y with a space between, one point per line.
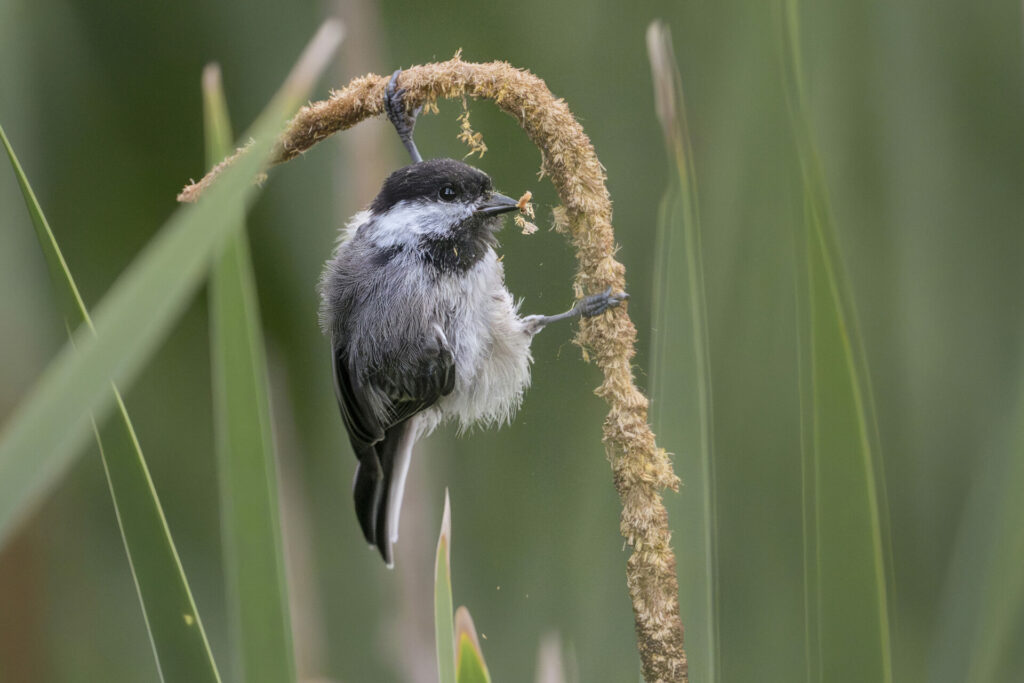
251 531
444 625
48 428
175 630
70 301
470 666
684 386
847 551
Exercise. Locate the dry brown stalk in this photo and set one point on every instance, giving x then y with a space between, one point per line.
641 469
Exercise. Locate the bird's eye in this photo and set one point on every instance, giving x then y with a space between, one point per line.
447 193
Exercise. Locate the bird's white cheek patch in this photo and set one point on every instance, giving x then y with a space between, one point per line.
407 221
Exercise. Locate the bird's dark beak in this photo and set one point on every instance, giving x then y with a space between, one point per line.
496 203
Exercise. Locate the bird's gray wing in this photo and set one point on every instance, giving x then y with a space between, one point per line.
383 443
364 429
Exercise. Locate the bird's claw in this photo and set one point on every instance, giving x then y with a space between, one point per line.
401 119
596 304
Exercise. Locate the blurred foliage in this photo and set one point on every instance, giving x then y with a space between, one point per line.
175 629
680 363
255 590
847 551
917 109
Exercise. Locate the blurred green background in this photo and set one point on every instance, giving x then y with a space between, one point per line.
918 111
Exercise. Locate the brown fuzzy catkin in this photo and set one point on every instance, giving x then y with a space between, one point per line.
641 470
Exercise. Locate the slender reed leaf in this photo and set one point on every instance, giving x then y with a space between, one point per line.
444 625
175 630
48 428
684 387
257 595
847 553
470 666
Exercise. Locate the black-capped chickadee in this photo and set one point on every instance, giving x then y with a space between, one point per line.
422 327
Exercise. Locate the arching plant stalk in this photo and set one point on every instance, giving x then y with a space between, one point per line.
641 469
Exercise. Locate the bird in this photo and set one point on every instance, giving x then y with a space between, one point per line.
421 326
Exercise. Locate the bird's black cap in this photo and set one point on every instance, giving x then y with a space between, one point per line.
427 179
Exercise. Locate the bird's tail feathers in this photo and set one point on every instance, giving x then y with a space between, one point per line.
380 486
367 490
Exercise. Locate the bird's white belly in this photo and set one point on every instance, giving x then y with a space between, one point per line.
491 348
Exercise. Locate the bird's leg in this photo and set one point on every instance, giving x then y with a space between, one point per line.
402 120
587 307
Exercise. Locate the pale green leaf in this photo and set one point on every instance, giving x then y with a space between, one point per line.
444 625
847 554
681 391
257 596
